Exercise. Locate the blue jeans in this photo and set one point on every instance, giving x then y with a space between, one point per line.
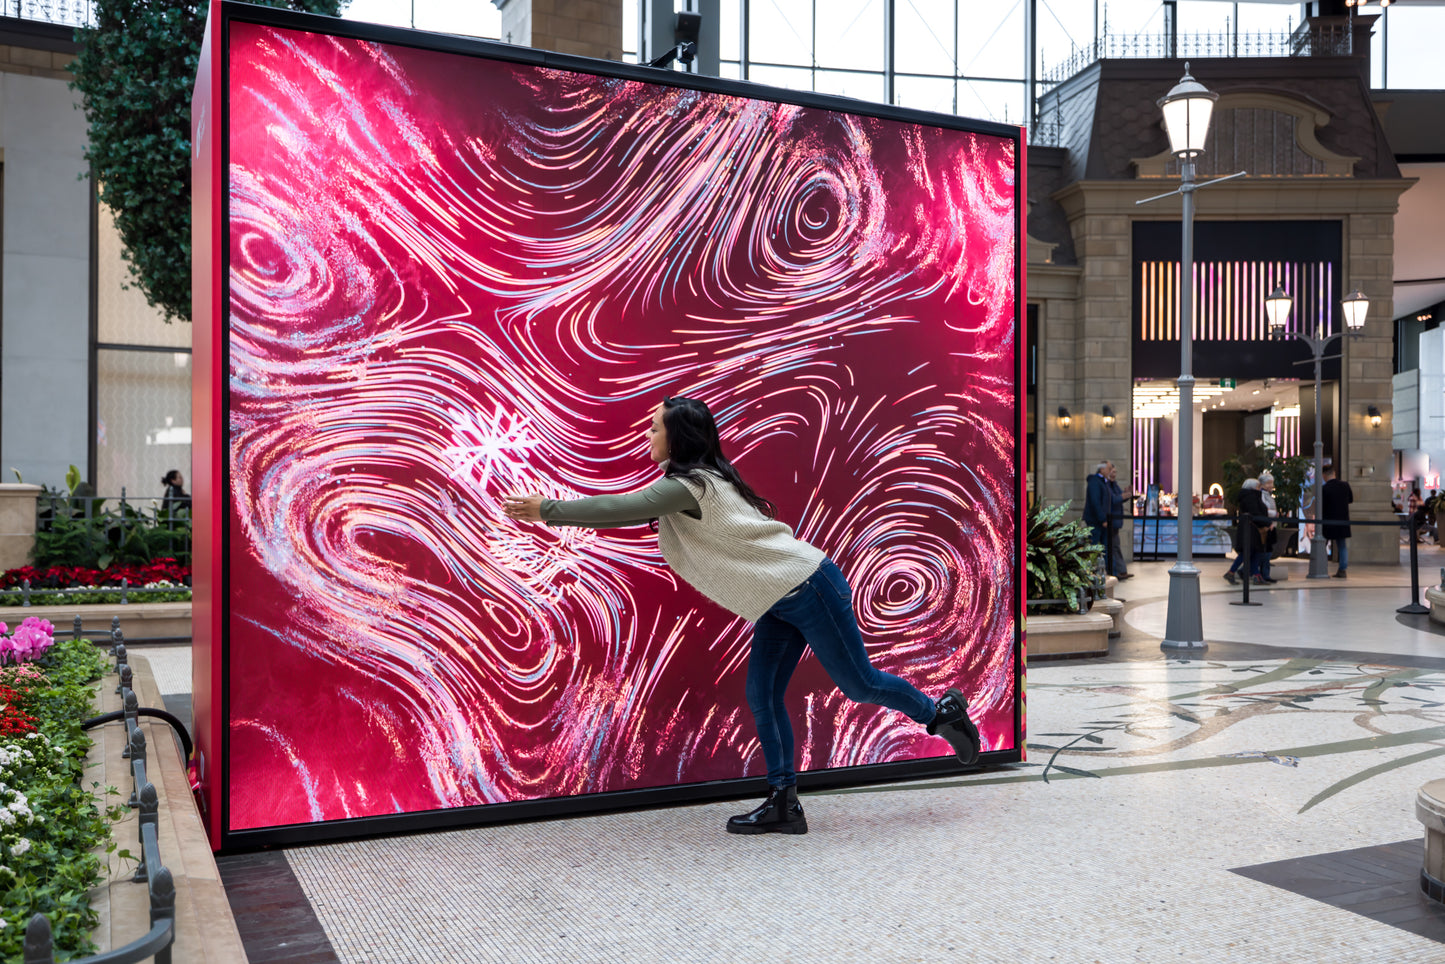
818 614
1342 552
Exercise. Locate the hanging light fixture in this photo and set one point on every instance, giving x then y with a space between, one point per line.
1065 419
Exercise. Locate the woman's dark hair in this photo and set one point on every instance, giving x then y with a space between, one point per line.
170 477
693 445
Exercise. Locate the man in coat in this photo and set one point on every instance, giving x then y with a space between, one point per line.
1098 506
1335 517
1116 521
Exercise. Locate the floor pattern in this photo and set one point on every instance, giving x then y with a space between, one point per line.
1147 784
1381 883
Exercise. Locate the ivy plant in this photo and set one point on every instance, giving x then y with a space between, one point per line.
135 74
1063 560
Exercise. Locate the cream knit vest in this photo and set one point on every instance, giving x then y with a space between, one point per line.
734 555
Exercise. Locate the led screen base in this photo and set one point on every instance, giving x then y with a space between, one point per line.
437 272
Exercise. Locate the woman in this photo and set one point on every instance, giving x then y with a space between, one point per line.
1271 539
722 538
175 497
1253 523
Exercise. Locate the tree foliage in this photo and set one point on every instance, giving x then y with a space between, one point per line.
135 73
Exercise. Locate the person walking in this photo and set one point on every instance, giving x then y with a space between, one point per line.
1271 537
1253 522
1335 516
1098 502
723 539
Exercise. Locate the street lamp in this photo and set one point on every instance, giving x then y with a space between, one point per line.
1187 110
1277 306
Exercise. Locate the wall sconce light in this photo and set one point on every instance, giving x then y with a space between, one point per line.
1108 417
1065 419
1374 414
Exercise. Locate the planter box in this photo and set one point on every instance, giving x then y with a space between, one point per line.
138 621
1435 596
1078 634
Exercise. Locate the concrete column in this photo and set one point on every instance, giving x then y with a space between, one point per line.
587 28
1103 344
17 524
1368 455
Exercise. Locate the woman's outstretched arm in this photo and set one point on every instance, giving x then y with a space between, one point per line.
662 497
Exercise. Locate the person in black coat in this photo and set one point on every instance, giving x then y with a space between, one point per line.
1253 522
1096 505
175 497
1335 516
1117 497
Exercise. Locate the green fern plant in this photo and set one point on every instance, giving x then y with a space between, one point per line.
1062 559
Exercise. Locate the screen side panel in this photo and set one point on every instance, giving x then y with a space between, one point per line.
208 439
452 279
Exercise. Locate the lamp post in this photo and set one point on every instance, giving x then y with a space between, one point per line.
1277 307
1187 110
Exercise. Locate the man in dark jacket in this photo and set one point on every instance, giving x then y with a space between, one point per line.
1335 516
1116 521
1096 508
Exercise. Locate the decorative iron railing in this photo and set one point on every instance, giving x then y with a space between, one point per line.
160 882
76 13
1313 38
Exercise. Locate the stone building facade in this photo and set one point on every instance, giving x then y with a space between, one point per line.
1305 132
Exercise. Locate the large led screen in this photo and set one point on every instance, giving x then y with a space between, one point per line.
453 277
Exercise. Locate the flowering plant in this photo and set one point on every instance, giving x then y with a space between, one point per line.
49 824
165 574
81 577
31 640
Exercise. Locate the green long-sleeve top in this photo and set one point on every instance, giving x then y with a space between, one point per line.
663 497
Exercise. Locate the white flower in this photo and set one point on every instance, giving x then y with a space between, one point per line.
19 847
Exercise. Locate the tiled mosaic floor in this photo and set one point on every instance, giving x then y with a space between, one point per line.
1219 809
1148 782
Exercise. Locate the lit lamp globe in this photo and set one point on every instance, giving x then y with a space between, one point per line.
1187 109
1356 306
1277 307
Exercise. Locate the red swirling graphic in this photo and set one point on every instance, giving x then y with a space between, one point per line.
453 278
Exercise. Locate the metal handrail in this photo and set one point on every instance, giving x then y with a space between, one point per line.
26 591
1312 38
75 13
160 882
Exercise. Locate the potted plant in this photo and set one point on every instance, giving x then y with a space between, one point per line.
1289 473
1064 563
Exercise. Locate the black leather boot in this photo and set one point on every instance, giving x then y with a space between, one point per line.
951 722
780 813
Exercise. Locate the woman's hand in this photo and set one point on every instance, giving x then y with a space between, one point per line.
524 508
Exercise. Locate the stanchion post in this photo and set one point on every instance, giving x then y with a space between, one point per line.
1414 608
1245 566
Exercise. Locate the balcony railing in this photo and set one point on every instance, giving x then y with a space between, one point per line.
1313 38
75 13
